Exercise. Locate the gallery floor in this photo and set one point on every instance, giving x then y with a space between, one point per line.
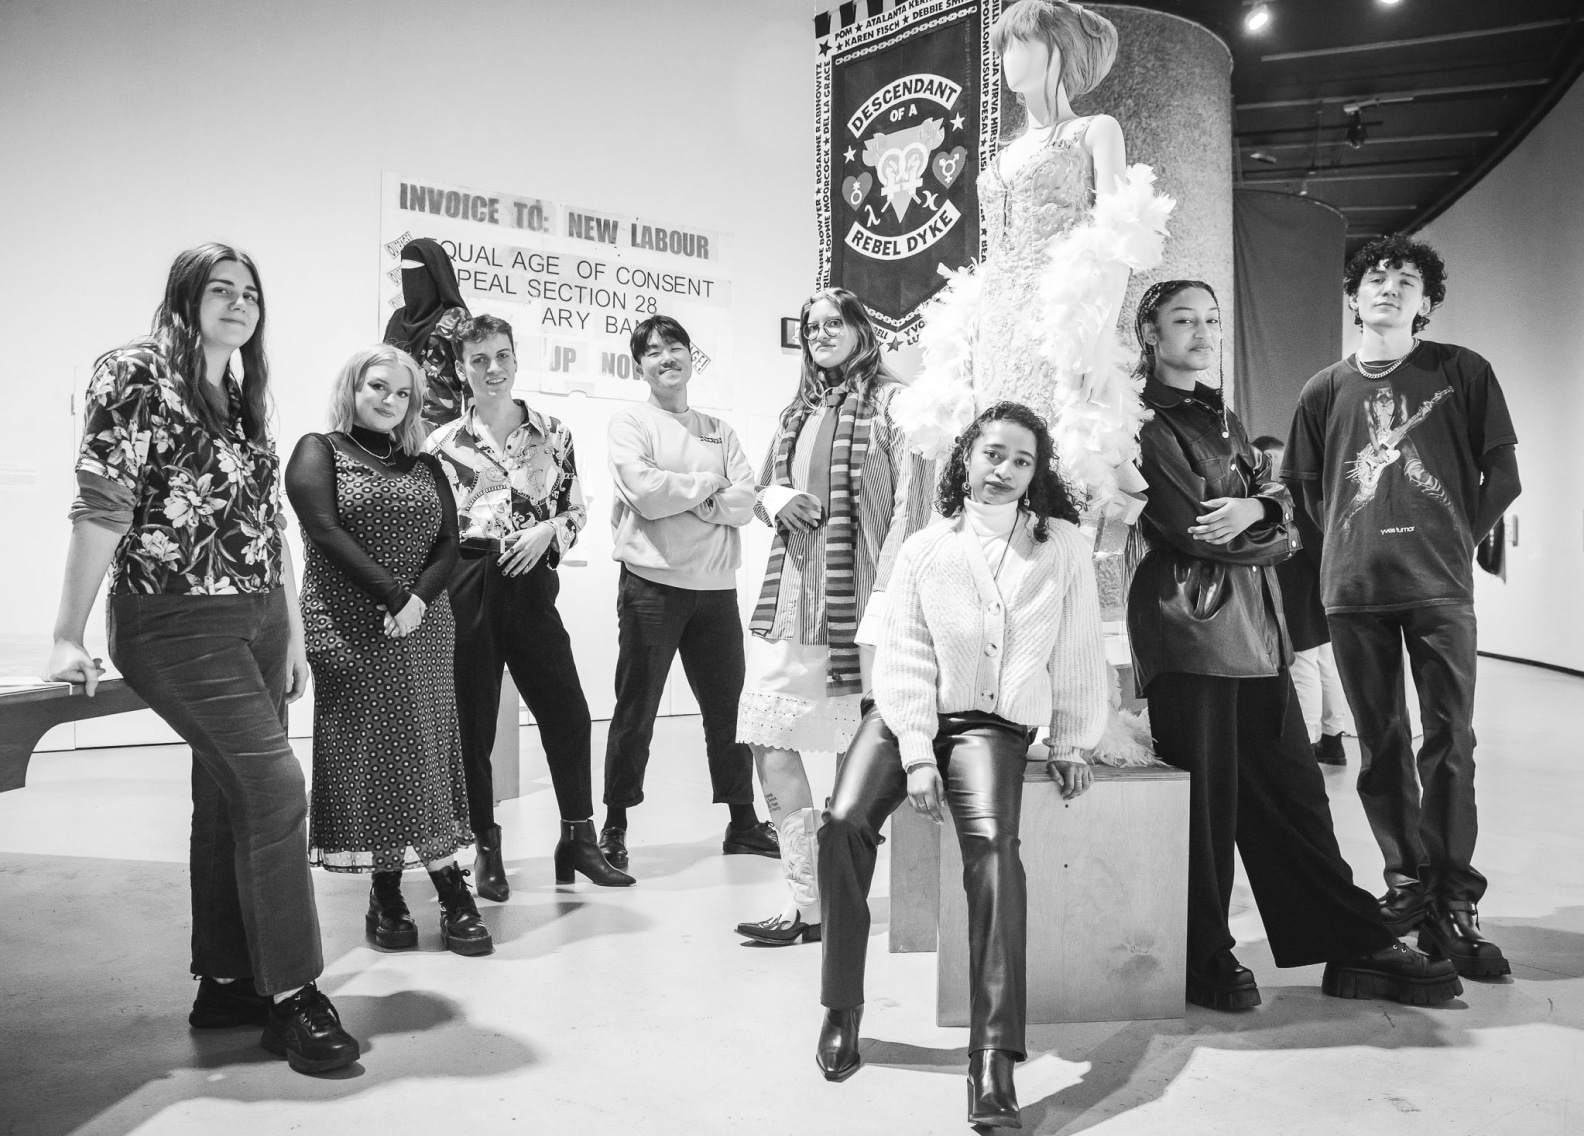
639 1011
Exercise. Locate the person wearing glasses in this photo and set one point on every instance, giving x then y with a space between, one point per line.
179 499
842 490
387 758
683 489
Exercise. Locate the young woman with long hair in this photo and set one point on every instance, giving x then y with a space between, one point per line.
179 493
992 629
842 491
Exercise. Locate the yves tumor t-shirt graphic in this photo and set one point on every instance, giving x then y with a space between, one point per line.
1391 452
1396 461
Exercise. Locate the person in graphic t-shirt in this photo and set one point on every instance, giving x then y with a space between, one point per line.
1403 457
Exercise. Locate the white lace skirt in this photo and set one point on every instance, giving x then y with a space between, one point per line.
784 704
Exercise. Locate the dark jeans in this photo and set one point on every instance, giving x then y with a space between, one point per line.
655 622
981 761
512 621
1255 786
1425 824
214 668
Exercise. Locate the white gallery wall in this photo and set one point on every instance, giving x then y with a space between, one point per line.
1514 247
134 128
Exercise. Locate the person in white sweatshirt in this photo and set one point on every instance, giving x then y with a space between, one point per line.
992 629
683 489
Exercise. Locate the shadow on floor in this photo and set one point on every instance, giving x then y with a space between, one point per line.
1131 1064
95 964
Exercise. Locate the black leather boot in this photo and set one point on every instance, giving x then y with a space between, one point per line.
837 1053
489 874
1228 985
992 1099
579 851
1451 930
462 932
388 923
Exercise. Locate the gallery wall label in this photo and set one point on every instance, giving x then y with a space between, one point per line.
573 282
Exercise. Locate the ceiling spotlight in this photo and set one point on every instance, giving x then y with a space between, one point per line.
1263 158
1357 135
1258 16
1389 3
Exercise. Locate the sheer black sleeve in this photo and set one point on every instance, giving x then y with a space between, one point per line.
311 487
443 556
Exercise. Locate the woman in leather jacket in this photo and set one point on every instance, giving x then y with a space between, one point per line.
1210 656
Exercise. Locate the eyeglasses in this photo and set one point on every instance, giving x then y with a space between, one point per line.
229 295
830 327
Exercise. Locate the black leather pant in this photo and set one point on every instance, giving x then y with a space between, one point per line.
981 760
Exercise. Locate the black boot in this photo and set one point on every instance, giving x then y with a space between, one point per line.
837 1054
1227 985
462 932
388 923
1328 750
579 851
992 1099
1452 931
489 874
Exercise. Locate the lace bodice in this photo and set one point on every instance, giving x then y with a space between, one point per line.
1047 195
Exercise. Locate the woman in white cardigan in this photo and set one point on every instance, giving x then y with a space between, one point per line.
992 629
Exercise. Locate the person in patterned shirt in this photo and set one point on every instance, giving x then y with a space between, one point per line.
179 494
519 510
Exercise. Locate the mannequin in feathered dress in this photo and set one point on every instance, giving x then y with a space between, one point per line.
1068 221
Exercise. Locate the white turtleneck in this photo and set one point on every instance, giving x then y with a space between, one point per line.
993 525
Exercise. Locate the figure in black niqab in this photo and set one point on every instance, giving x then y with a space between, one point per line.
426 323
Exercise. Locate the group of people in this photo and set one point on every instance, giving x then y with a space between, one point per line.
923 619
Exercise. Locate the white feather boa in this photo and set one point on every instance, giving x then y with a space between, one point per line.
1095 398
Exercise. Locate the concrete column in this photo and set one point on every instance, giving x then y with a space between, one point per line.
1171 89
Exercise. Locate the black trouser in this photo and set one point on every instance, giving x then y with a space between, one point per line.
214 668
655 622
1425 826
981 760
1255 786
513 621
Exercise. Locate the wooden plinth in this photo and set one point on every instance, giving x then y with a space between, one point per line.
1108 900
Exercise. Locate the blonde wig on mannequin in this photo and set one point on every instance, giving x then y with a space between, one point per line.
1084 42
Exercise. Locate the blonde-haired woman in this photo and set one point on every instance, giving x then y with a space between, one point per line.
388 786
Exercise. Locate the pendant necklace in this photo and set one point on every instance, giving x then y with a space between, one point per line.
1006 548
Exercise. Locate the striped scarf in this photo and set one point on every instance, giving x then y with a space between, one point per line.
849 448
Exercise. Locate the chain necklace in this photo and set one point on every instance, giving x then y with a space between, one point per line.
1363 367
384 459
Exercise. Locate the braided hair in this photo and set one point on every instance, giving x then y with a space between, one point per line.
1154 299
1047 495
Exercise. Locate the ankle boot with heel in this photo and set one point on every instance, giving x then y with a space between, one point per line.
579 851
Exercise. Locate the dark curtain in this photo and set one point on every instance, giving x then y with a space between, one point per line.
1288 255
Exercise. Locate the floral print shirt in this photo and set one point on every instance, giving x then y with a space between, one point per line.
205 508
534 480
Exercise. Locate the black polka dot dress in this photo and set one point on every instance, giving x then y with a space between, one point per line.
388 787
